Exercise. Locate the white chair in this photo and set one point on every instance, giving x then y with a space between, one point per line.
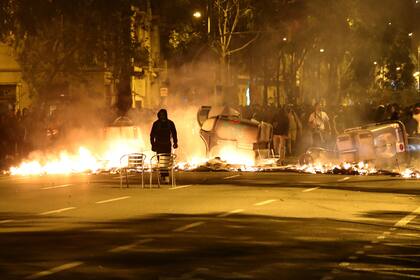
162 163
132 162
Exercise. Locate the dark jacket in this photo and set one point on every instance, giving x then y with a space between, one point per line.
281 123
162 131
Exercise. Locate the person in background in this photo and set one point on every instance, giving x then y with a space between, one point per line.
295 129
319 122
163 130
416 120
280 131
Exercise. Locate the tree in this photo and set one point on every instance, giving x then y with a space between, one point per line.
58 41
232 18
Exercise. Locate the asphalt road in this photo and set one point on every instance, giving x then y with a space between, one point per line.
210 226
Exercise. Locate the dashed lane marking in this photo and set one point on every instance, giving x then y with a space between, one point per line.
311 189
57 211
265 202
344 179
5 221
54 270
186 227
56 187
112 199
407 219
230 177
180 187
230 213
129 246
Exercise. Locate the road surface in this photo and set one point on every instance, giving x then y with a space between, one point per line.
212 225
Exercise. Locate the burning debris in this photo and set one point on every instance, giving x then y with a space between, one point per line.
233 144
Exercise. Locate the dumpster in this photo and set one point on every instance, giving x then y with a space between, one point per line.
222 128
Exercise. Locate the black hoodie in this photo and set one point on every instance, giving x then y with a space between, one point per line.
162 131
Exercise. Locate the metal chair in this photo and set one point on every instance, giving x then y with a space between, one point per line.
162 163
134 161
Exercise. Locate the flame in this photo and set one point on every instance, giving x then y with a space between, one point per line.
360 168
409 173
64 163
84 160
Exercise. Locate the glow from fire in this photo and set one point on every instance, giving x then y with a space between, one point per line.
233 155
409 173
360 168
63 163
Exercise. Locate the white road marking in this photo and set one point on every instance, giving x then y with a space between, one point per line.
360 252
57 211
129 246
112 199
180 187
344 179
54 270
344 264
56 187
230 177
5 221
265 202
186 227
230 213
311 189
404 221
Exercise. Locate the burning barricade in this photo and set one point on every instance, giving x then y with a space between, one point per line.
371 149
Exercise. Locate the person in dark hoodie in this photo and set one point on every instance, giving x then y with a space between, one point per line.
162 131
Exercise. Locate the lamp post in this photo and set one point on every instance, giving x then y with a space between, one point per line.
418 68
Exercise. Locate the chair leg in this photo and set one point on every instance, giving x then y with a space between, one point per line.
150 179
126 177
158 179
142 178
121 178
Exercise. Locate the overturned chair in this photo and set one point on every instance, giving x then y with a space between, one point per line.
132 162
163 164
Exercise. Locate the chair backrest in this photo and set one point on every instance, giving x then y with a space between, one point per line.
163 161
133 160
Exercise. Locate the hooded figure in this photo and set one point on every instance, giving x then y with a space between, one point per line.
162 131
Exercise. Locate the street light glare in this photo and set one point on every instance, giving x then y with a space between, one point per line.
284 39
321 50
197 14
410 34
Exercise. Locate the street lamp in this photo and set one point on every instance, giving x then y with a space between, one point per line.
197 14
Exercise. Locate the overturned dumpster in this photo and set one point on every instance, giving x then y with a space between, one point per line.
226 134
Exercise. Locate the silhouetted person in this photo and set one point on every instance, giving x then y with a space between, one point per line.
162 131
160 136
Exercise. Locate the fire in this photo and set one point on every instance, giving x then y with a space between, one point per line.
64 163
409 173
84 160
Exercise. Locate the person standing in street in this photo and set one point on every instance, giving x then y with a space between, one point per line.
320 125
280 131
163 130
295 129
